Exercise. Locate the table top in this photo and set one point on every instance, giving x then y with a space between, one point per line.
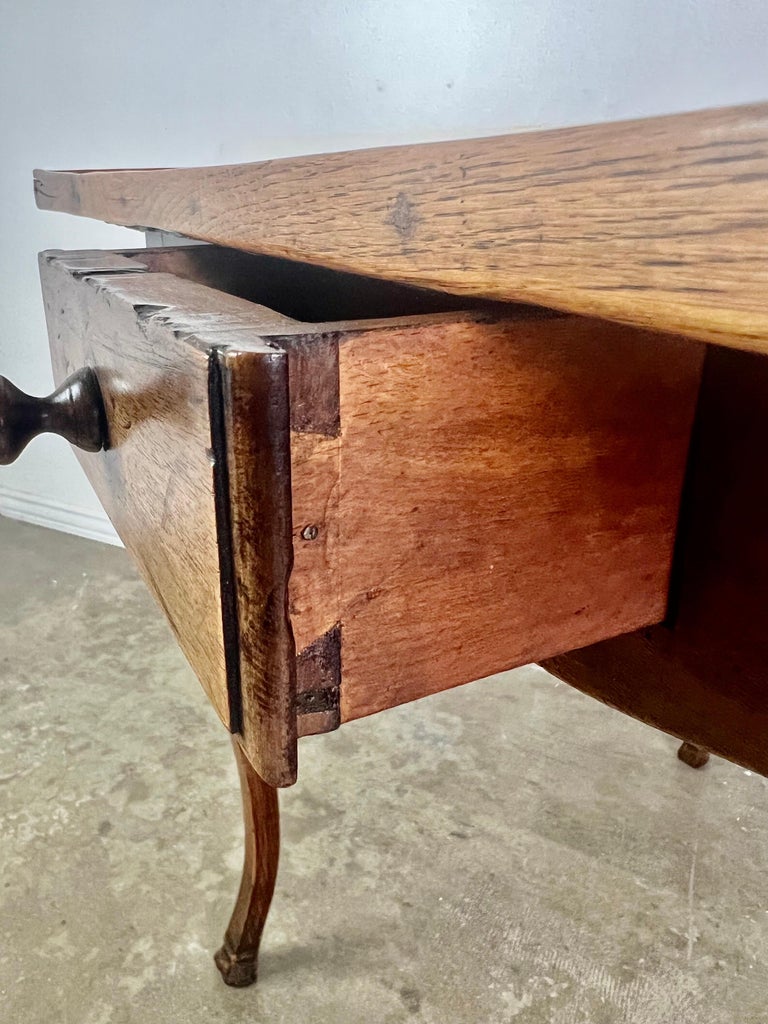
659 222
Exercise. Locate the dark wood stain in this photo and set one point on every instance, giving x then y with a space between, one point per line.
313 367
237 958
224 530
256 396
74 411
318 676
403 217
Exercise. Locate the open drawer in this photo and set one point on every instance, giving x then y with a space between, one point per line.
347 494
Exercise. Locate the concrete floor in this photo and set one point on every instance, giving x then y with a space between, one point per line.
507 851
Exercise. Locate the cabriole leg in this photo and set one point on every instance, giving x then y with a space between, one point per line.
237 957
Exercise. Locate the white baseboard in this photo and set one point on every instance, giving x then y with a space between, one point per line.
29 508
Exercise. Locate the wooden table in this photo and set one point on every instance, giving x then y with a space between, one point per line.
418 415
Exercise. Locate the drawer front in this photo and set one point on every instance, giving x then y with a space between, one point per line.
167 352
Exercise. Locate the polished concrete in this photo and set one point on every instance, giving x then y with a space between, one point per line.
510 851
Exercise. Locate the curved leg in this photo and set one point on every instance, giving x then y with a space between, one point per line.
237 957
693 756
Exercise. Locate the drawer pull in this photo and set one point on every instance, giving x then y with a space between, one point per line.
74 411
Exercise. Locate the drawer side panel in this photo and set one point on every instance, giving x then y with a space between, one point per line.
507 491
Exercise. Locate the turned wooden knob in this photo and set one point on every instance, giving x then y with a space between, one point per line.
74 411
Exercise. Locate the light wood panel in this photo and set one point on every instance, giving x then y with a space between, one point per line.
314 586
658 222
505 489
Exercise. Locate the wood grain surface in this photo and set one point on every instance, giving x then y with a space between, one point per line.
658 222
498 488
702 675
258 456
152 340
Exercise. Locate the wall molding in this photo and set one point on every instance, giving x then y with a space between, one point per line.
56 515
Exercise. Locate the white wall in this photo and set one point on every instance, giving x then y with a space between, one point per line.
165 82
